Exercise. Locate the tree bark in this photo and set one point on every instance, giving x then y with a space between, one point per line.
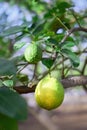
71 81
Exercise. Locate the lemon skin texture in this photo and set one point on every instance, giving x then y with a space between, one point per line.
33 53
49 93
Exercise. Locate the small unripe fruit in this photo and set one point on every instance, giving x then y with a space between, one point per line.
33 53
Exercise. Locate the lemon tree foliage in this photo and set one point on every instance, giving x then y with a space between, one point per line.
55 45
7 123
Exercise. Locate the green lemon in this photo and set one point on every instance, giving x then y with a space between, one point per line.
33 53
49 93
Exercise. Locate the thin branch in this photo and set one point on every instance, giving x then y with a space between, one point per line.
53 67
72 31
84 66
71 68
74 15
59 20
22 68
34 73
61 23
24 89
63 67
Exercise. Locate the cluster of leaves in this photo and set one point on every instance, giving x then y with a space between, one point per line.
50 23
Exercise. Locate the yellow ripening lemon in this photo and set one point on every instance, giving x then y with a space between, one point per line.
49 93
33 53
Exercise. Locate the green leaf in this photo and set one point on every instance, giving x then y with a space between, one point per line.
18 45
1 84
53 41
8 83
23 78
7 123
11 30
39 27
7 67
72 56
47 62
67 44
63 6
12 104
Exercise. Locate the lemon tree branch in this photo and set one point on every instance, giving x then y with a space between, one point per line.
72 31
67 82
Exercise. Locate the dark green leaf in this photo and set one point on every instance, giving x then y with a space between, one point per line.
7 123
1 84
67 44
72 56
4 51
53 41
59 38
12 104
7 67
38 28
11 30
48 62
23 78
63 6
